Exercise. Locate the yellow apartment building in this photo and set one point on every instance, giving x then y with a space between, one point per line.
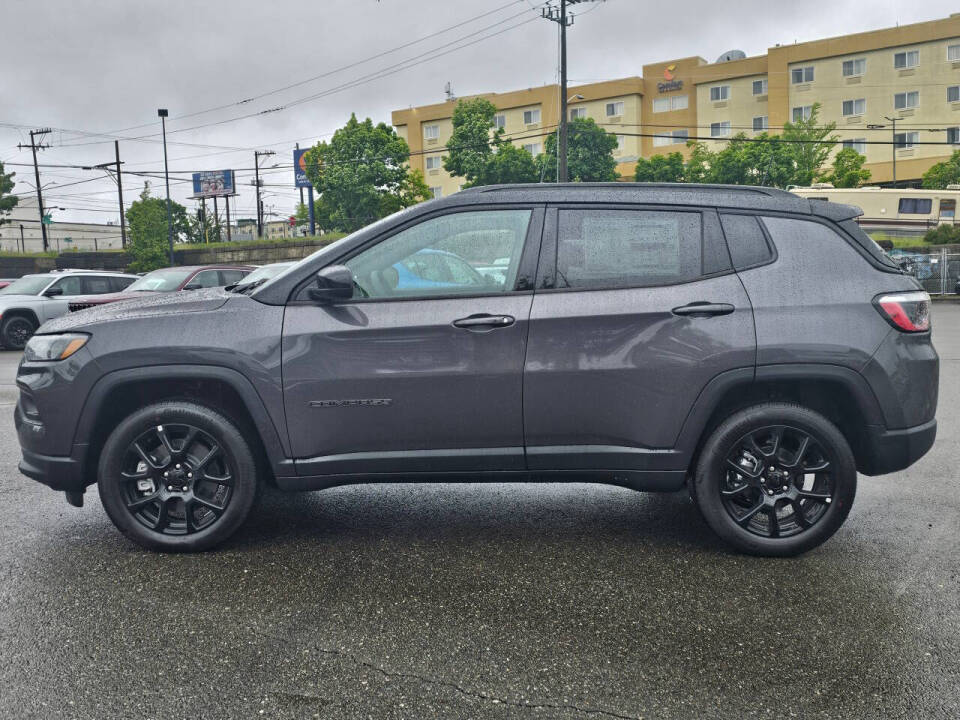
909 74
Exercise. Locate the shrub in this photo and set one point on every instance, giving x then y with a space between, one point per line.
943 235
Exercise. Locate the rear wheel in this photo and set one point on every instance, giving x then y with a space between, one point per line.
15 331
775 479
177 477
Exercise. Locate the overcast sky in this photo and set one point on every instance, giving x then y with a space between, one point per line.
98 69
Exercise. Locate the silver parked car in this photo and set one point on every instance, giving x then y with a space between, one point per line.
27 303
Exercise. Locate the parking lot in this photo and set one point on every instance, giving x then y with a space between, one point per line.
554 601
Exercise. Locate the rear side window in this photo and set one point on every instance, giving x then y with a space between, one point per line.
628 248
746 240
96 285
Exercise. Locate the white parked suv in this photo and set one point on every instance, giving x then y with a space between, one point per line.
27 303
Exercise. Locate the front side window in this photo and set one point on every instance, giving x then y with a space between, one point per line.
70 285
461 253
205 279
908 59
801 75
915 206
599 249
854 107
719 92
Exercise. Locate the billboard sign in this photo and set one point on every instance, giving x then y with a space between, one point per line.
300 169
213 183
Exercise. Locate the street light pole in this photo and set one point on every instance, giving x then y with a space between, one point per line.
163 113
257 154
894 121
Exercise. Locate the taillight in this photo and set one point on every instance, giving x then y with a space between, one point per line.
907 311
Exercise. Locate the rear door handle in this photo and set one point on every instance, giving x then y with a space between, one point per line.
484 321
704 309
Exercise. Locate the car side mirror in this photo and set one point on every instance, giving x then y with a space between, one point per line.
53 292
192 286
334 283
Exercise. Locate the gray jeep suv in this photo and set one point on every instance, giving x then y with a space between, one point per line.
753 345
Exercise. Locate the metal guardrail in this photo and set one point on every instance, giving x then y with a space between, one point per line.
938 270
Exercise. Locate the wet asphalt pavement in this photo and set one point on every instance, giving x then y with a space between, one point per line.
496 601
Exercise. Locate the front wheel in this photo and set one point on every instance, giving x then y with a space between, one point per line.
177 477
775 479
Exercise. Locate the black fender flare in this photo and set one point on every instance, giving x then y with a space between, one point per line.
269 435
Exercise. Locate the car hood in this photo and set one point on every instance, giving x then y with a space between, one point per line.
149 305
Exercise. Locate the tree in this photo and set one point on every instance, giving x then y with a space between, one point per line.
811 143
660 168
8 201
589 153
361 175
147 218
945 173
202 227
847 171
302 214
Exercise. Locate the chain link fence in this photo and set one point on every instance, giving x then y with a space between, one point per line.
937 270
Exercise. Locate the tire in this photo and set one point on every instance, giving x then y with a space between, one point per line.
16 331
210 484
803 493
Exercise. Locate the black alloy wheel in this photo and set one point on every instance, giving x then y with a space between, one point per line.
775 479
16 331
177 477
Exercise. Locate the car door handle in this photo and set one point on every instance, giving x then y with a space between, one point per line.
704 309
484 321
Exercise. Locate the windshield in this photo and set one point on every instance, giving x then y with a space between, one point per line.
160 280
265 273
27 285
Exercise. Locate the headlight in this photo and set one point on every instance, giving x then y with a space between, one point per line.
44 348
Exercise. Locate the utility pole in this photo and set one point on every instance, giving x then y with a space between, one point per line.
216 217
226 199
119 180
894 121
36 174
23 242
559 15
257 154
163 113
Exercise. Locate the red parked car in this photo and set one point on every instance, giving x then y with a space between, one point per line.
187 277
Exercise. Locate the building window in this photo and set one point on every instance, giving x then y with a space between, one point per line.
854 107
680 137
906 100
915 206
661 105
431 132
801 75
578 112
904 141
531 116
499 121
906 59
661 139
761 123
858 144
433 162
719 93
437 192
953 93
720 129
760 87
679 102
854 68
953 135
621 144
953 53
615 109
532 148
802 113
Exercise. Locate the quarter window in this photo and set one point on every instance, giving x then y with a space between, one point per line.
627 248
462 253
747 243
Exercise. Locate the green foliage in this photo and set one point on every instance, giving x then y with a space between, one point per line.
660 169
945 173
147 218
511 164
302 214
361 175
589 153
943 235
847 171
811 144
8 201
202 227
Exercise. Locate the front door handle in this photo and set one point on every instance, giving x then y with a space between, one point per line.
484 321
704 309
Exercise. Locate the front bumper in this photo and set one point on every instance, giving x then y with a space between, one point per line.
888 451
59 473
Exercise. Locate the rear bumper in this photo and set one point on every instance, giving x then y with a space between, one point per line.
888 451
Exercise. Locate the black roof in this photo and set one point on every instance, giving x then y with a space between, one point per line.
744 197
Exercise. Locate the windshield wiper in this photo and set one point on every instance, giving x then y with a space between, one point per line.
245 287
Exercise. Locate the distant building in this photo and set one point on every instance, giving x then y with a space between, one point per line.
61 236
910 73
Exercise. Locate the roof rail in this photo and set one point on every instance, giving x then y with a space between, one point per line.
758 189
